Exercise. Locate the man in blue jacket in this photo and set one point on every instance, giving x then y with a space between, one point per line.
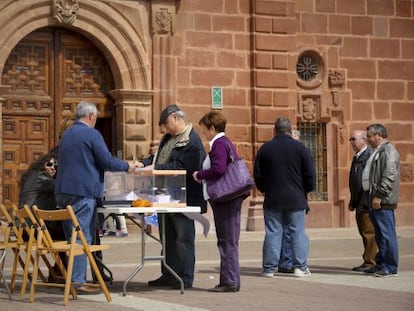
284 172
83 159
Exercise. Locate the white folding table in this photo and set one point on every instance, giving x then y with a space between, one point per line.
141 211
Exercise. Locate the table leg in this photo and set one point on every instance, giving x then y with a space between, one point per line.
141 264
163 258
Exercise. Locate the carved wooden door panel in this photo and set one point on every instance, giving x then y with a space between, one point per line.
48 71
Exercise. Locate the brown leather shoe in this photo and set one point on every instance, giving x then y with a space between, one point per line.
87 290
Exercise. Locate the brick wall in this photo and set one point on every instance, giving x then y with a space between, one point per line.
214 50
250 48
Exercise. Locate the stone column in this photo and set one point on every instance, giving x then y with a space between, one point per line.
163 14
133 123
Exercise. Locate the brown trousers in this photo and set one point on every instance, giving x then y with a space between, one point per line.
367 232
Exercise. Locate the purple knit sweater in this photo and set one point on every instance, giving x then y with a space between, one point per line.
219 157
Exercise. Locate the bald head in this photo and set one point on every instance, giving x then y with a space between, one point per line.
358 140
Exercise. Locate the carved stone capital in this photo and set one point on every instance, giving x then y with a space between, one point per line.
142 97
336 78
65 11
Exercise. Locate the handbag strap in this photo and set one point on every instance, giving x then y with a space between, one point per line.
231 154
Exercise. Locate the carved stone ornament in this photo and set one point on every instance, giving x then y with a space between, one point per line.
64 11
336 78
310 107
163 22
310 69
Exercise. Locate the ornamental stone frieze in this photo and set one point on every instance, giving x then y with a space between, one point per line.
65 11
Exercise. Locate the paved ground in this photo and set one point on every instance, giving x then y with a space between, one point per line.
332 286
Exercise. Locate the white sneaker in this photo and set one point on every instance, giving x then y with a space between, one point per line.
267 274
302 273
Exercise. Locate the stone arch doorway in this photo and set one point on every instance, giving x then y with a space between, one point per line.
47 73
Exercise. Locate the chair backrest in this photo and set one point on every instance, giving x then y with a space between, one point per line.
26 224
8 220
66 214
5 227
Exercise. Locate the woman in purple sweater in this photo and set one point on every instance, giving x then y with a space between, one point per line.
226 214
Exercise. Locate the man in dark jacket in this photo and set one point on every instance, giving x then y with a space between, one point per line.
381 177
359 201
180 149
284 172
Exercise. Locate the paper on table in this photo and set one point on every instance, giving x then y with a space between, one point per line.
201 219
131 196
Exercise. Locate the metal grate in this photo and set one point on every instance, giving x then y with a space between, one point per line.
313 135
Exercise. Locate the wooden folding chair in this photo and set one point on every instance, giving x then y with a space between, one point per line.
19 245
26 224
6 243
46 245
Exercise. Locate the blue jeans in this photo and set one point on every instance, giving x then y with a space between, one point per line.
85 210
386 238
286 253
275 221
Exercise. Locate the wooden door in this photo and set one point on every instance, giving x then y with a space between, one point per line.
48 71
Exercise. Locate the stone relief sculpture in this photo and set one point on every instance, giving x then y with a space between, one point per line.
336 80
309 109
163 22
64 11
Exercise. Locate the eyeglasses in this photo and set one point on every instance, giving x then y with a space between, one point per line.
353 139
50 164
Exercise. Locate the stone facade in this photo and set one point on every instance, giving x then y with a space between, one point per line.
163 51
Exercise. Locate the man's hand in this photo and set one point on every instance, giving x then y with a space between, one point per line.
132 165
376 203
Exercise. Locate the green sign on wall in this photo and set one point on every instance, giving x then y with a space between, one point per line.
217 97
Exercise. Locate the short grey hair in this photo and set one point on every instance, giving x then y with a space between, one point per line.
84 108
296 133
180 114
283 125
377 128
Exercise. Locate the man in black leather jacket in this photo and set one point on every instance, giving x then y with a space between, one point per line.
381 177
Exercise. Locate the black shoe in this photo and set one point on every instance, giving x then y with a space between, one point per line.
225 289
285 270
370 270
363 268
160 282
383 274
